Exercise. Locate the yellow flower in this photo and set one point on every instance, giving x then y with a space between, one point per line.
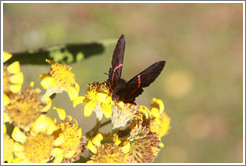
161 121
116 140
95 142
99 99
24 107
73 146
140 146
97 139
144 150
144 144
157 117
8 144
59 79
126 147
144 111
39 145
139 130
108 152
12 77
6 56
5 100
123 113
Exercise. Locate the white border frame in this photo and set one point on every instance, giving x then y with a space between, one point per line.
243 2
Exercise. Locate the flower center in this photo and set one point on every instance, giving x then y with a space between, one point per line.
62 74
109 153
8 144
72 137
143 150
38 148
98 90
5 80
24 107
121 115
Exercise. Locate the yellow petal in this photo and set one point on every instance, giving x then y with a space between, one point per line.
17 78
43 124
78 100
20 160
54 120
101 97
18 147
89 107
91 147
50 61
161 145
107 110
165 124
4 129
18 135
47 82
70 119
77 87
5 100
15 88
72 92
58 141
43 76
155 112
126 147
6 118
80 132
61 113
121 104
144 110
31 84
90 161
21 155
158 103
69 154
14 67
6 56
52 127
58 154
116 140
97 139
27 128
48 102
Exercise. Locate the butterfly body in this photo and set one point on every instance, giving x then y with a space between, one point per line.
128 91
118 88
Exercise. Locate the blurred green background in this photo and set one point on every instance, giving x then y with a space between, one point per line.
201 84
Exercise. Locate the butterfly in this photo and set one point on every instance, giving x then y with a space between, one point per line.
128 91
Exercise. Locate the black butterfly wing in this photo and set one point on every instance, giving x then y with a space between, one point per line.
116 63
135 86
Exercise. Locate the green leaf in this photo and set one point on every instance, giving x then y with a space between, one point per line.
62 53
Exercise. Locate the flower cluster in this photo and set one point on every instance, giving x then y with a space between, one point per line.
136 135
30 135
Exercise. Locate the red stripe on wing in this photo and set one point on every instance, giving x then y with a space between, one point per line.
112 80
139 81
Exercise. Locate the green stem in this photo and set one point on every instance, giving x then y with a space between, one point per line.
94 130
98 125
110 137
123 139
105 123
